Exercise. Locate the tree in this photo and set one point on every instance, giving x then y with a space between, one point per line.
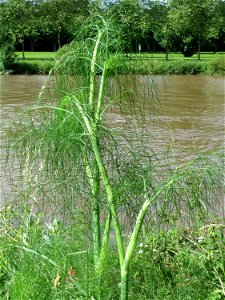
191 19
31 19
156 20
128 16
62 16
19 17
7 41
216 29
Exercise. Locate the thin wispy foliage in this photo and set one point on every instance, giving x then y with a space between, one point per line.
75 160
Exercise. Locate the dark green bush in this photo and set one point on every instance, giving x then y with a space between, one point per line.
7 57
22 67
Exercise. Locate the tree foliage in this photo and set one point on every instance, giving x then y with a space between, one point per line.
178 25
193 21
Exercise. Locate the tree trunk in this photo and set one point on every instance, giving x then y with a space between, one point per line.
31 46
199 47
153 46
167 51
23 54
58 38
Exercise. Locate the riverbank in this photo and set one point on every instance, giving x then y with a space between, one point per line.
173 265
146 63
175 66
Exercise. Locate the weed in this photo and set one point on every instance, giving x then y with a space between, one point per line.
74 163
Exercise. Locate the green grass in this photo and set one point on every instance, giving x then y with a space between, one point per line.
179 264
34 63
211 63
30 56
37 55
180 56
178 66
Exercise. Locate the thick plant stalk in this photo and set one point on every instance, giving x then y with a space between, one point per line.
105 244
93 73
110 197
96 210
104 252
94 174
94 185
95 148
133 240
92 128
139 221
100 96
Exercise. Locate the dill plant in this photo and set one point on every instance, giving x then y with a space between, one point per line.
74 159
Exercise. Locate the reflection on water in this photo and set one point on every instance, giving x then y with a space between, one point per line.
191 112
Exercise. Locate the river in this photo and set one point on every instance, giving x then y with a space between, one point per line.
191 112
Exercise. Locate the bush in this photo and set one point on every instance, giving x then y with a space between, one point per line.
181 264
188 51
23 67
178 67
217 66
58 257
7 57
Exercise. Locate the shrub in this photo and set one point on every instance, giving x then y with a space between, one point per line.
178 67
181 264
7 57
23 67
217 66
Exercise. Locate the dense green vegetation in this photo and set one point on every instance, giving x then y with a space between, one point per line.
147 26
210 64
55 261
97 214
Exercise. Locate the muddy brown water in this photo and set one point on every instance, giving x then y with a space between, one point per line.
191 113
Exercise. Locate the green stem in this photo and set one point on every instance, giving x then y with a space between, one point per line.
133 240
105 244
94 185
100 95
110 197
93 73
135 234
103 254
124 284
95 147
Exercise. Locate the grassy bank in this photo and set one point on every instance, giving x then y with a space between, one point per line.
34 63
51 260
211 63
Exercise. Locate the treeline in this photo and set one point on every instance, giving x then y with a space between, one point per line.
147 25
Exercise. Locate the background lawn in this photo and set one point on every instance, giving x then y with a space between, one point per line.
37 56
180 56
211 63
31 56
